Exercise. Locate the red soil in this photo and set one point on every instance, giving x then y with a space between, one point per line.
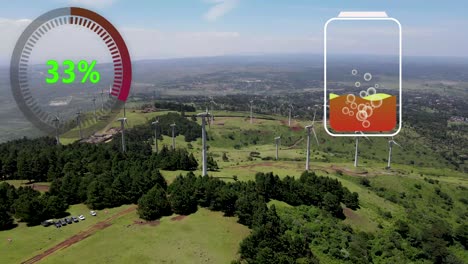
41 188
178 218
150 223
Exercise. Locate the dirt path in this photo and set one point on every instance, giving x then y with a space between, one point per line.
80 236
40 187
348 172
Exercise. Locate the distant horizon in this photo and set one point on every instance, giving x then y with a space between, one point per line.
4 64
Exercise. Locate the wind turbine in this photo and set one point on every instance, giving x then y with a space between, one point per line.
173 135
56 121
123 121
277 141
94 104
212 104
155 124
356 151
309 129
203 116
78 121
390 146
290 111
251 111
102 100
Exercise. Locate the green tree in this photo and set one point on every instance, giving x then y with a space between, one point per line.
461 234
182 195
6 220
96 195
154 204
28 207
351 200
225 157
332 204
53 206
245 207
211 164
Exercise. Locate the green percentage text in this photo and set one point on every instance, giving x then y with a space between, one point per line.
68 68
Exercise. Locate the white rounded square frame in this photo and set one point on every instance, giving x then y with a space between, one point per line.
361 16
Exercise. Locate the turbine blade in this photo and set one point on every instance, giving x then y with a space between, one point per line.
315 135
313 121
365 136
397 144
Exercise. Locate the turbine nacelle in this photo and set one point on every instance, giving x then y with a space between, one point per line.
123 121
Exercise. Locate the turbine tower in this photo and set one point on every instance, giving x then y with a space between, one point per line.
155 124
357 146
56 121
102 100
390 146
290 112
123 121
277 141
251 111
78 122
94 104
203 116
173 135
309 129
212 104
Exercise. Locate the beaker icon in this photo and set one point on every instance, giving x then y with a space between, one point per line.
362 74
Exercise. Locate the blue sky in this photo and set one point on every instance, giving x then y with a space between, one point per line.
219 27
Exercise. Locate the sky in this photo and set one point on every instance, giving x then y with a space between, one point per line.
158 29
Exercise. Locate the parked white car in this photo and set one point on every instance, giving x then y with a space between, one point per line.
93 213
81 217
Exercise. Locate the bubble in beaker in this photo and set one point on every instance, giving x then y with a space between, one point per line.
363 94
354 72
366 123
357 84
351 113
353 105
371 91
361 115
345 110
361 107
377 86
367 76
369 111
350 98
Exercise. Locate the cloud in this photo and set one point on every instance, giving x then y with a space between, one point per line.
93 3
219 9
12 29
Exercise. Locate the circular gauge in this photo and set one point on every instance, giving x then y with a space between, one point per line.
119 71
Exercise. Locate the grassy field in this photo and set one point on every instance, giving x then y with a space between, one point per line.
23 183
30 241
203 237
